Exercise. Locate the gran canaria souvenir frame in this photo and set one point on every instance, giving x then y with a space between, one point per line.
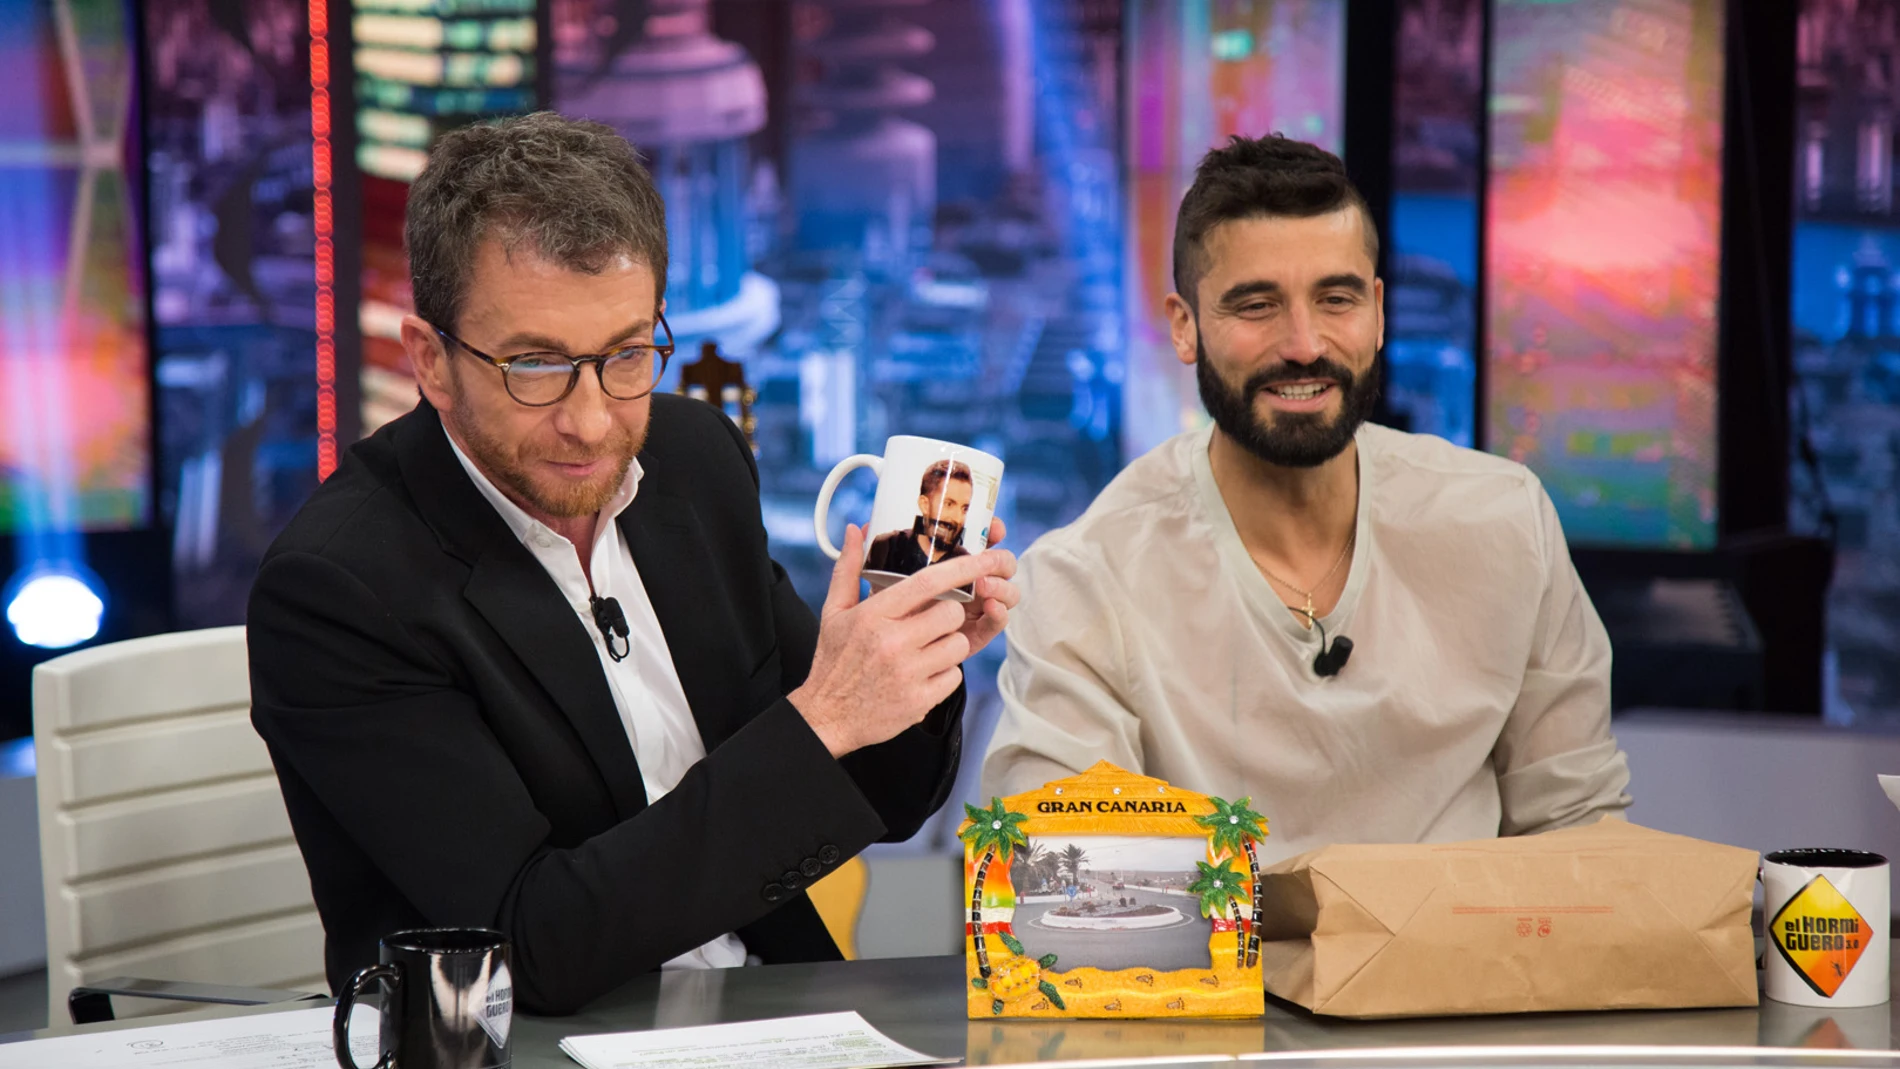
1111 894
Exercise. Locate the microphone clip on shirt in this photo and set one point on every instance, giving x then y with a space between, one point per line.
1332 656
613 625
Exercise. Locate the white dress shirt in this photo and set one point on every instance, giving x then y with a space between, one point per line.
646 687
1476 702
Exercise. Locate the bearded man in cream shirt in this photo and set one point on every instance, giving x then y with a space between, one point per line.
1174 628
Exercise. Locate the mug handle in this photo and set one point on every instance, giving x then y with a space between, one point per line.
844 468
391 977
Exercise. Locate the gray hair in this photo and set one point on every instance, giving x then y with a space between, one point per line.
574 192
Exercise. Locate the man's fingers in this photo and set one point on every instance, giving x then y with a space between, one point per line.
943 684
995 588
987 625
995 614
932 622
906 597
1005 563
945 653
845 574
997 530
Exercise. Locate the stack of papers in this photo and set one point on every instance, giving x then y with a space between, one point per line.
294 1039
300 1039
820 1041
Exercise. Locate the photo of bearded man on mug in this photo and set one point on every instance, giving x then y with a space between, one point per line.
943 505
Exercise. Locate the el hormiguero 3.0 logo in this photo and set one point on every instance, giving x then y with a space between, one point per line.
1821 935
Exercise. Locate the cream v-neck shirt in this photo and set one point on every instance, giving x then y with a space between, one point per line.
1476 701
645 685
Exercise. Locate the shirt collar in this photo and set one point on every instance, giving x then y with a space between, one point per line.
517 518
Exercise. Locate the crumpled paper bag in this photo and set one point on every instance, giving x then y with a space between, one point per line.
1608 916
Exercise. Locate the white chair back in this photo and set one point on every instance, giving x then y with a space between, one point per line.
164 846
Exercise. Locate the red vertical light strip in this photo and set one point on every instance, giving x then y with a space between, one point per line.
324 222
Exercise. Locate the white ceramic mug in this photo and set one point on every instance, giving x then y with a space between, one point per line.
1827 926
934 502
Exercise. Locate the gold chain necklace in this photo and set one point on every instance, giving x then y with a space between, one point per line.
1308 594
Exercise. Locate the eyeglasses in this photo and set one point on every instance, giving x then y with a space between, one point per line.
540 379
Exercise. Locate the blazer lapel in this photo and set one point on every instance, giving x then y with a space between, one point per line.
663 533
520 601
518 598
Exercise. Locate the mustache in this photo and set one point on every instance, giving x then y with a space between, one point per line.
619 446
581 460
1322 368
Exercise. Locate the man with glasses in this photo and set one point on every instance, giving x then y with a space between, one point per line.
451 750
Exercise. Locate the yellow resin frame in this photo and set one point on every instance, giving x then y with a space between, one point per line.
1106 800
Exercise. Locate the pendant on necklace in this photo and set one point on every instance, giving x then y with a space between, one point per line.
1307 617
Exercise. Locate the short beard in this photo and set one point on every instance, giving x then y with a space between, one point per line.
941 532
562 500
1296 439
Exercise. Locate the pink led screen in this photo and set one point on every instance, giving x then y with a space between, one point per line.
1199 72
1601 261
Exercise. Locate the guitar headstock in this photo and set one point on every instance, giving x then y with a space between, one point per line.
721 382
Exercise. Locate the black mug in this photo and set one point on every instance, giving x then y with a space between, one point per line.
448 1001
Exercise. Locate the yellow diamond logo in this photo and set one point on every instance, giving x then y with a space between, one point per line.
1821 935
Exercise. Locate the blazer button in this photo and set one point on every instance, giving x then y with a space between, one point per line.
792 880
811 867
828 854
774 893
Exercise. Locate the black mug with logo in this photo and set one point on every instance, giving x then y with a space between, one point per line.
448 1001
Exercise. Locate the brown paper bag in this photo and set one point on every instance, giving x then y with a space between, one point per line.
1609 916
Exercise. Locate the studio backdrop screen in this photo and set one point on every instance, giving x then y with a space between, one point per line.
1198 74
420 67
74 409
1602 260
897 218
228 175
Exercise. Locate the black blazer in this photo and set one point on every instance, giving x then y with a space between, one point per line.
450 754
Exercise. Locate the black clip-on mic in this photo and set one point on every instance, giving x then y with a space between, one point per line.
612 623
1331 657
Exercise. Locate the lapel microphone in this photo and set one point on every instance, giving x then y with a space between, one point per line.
1332 656
613 624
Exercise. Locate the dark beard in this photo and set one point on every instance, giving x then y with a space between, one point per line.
940 532
1296 439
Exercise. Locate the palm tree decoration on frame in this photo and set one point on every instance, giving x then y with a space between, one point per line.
997 833
1027 867
1071 858
1048 869
1234 829
1219 888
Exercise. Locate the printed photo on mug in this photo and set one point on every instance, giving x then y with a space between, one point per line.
946 501
934 503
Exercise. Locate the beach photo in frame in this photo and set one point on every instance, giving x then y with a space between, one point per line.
1111 894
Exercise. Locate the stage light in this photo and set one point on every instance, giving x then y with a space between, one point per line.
17 759
55 607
